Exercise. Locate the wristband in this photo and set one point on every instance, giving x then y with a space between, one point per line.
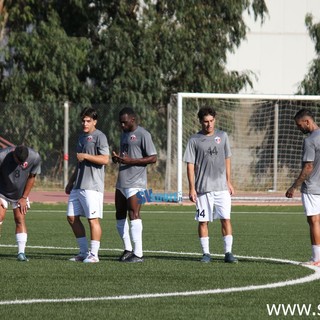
24 197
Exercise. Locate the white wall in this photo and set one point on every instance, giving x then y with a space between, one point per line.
280 51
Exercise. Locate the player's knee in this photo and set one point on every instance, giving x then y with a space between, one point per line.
71 219
134 215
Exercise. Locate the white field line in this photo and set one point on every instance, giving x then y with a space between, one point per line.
313 277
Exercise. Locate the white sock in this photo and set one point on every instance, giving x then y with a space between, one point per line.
204 242
136 233
316 252
83 245
21 239
95 246
227 240
123 230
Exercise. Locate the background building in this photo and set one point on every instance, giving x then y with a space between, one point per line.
279 51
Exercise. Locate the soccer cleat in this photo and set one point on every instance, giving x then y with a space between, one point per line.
311 263
125 255
79 257
206 258
230 258
133 259
22 257
91 258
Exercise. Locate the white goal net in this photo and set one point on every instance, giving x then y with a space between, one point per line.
265 143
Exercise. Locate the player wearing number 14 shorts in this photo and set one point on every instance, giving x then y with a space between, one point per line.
209 175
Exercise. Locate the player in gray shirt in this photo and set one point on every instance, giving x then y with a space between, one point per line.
136 152
18 169
209 175
309 179
86 186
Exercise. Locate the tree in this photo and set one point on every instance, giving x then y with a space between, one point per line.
111 54
41 68
310 85
144 54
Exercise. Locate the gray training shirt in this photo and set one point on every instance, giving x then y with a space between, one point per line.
90 176
136 144
311 153
208 154
13 176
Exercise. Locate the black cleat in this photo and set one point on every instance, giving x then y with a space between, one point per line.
133 259
125 255
230 258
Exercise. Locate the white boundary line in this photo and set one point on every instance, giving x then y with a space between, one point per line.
313 277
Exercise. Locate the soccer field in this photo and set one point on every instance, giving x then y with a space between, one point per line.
171 283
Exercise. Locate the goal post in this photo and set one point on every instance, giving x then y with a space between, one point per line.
265 143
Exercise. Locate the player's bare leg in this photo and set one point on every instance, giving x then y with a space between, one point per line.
3 211
95 229
226 227
314 226
80 234
96 232
21 233
203 232
203 229
76 226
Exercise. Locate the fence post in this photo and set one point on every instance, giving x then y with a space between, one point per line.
66 144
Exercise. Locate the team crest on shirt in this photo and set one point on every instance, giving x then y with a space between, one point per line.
217 140
89 138
24 165
133 137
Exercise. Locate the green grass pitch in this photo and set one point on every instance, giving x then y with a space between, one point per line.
171 283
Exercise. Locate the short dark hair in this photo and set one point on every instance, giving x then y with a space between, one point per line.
89 112
127 110
21 153
206 111
303 113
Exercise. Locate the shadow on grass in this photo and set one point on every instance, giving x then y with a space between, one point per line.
58 256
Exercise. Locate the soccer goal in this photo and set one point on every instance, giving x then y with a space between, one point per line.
266 145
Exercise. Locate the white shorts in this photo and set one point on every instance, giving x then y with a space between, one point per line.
129 192
14 204
311 204
86 203
213 205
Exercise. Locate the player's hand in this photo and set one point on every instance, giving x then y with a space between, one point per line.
81 156
290 192
193 196
68 188
231 189
115 157
23 206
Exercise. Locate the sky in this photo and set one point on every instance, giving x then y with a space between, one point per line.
280 51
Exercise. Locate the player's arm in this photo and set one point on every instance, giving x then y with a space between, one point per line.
134 162
191 180
27 189
100 159
228 175
71 181
304 175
